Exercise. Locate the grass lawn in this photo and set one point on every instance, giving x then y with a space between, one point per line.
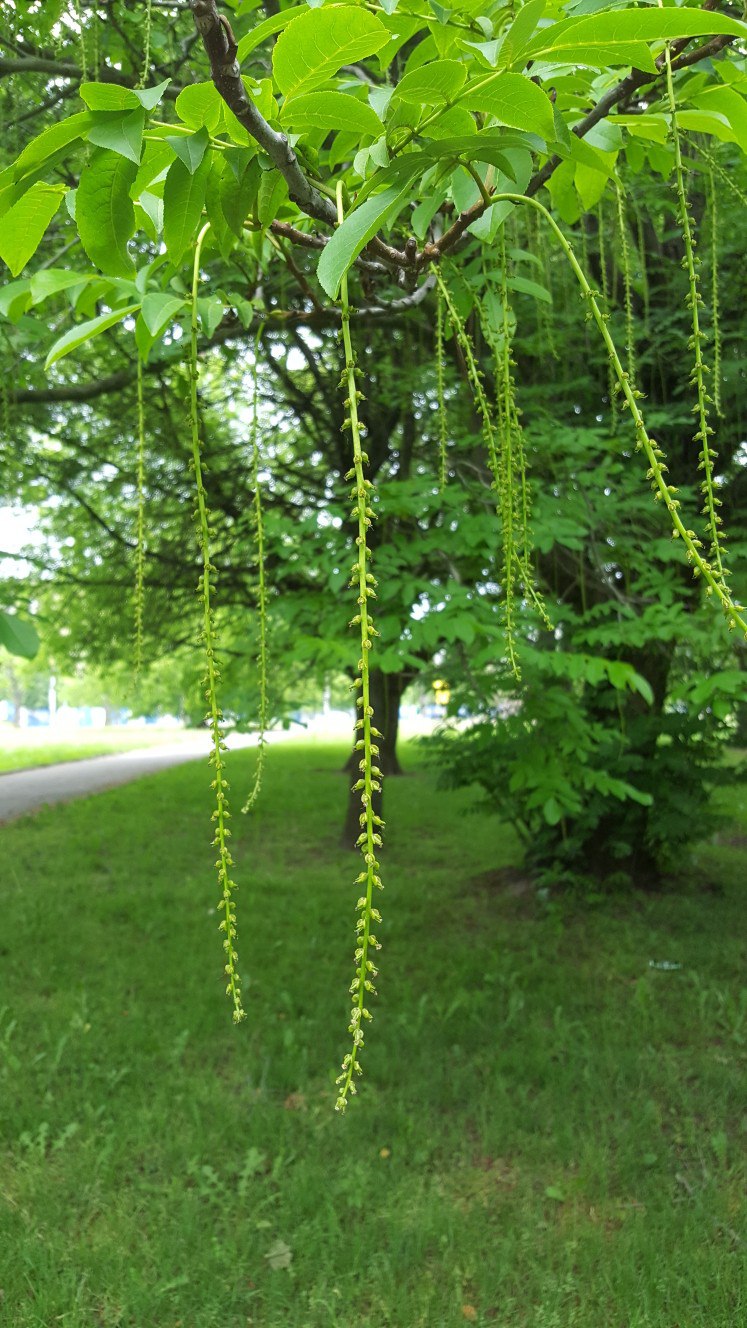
20 749
550 1131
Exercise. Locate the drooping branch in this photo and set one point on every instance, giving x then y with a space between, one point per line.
221 47
621 93
626 89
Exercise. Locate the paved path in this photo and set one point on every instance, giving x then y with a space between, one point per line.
26 790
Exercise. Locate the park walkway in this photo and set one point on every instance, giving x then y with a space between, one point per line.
24 791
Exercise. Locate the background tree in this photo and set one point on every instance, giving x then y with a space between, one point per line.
383 167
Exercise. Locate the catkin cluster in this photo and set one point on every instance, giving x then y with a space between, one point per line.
214 718
369 841
691 264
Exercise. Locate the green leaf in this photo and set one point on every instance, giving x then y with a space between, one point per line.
451 123
77 336
15 299
53 140
331 110
590 184
515 101
238 195
190 148
183 199
636 795
104 212
210 310
527 287
424 213
52 280
200 105
22 227
553 814
552 1191
219 227
268 28
152 206
116 97
621 675
729 103
354 234
18 636
150 97
520 32
159 309
273 191
639 684
707 122
317 43
432 84
108 96
157 157
620 36
120 133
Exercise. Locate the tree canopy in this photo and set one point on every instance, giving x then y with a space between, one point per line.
487 219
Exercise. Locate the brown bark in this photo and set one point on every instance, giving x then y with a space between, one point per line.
386 692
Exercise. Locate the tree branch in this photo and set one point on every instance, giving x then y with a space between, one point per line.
220 47
42 64
622 92
626 88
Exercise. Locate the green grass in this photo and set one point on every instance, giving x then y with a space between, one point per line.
549 1132
22 749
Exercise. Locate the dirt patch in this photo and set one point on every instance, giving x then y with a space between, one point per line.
511 882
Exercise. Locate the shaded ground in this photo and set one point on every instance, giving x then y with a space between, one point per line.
549 1132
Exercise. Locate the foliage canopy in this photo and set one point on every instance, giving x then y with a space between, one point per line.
375 168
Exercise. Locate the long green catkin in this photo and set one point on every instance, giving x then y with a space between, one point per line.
140 554
507 487
641 245
214 717
513 450
82 41
691 264
715 304
664 492
507 464
622 228
544 316
148 26
369 782
494 454
259 537
611 384
440 392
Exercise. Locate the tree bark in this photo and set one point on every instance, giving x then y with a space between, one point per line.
386 692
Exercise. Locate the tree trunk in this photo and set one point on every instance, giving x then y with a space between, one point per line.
385 690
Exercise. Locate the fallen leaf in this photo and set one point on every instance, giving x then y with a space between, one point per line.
279 1255
552 1192
295 1102
385 1152
469 1312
